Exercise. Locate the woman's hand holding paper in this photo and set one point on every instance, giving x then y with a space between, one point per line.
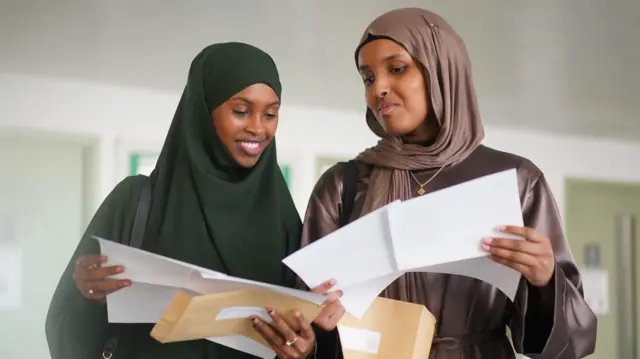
533 256
332 310
92 277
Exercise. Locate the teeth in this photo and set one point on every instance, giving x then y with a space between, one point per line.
250 144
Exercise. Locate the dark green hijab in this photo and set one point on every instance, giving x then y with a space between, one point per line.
206 210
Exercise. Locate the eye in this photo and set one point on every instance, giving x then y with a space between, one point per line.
368 80
241 112
270 116
398 69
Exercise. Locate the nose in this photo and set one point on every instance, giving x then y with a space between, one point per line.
255 126
381 87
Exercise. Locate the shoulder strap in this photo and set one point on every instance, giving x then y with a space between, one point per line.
142 214
136 239
349 189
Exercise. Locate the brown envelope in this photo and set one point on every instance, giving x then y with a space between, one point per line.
190 318
390 329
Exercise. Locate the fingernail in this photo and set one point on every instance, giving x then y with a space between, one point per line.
103 259
502 228
487 240
333 281
127 283
120 269
271 312
297 314
485 247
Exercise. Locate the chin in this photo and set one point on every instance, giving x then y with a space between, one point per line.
246 161
398 129
400 126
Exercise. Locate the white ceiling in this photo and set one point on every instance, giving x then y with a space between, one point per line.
567 66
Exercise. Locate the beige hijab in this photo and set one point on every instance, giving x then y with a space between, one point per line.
430 40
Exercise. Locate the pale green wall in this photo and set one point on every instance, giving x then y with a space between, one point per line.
41 193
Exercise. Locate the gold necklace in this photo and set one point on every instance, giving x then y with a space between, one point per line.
421 190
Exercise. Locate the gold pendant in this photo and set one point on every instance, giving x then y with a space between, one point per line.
421 191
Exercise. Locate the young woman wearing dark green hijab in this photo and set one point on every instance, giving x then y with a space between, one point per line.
219 201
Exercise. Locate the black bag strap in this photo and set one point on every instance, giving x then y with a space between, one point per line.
142 214
136 239
349 188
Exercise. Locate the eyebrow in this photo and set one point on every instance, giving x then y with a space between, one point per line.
249 102
387 58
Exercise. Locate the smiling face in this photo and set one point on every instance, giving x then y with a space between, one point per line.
395 90
247 123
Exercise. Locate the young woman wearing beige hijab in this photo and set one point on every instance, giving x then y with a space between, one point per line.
421 102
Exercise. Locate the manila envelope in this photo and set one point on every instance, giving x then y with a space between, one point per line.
390 329
222 314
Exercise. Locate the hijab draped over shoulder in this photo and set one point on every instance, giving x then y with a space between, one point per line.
434 44
207 210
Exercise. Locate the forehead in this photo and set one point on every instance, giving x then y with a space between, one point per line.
258 93
381 50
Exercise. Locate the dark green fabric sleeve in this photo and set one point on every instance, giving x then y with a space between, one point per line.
76 326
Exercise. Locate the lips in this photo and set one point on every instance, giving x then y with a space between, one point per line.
386 108
252 148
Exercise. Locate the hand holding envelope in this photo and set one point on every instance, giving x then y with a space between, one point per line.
290 339
281 335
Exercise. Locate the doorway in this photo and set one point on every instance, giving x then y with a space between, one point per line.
41 221
602 224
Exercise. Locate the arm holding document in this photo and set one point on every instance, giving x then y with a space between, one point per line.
550 297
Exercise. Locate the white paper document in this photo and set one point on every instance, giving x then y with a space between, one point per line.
358 252
157 279
440 232
358 297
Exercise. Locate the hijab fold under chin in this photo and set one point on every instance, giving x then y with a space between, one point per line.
430 40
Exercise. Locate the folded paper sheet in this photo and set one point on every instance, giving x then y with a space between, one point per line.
440 232
361 260
390 329
359 252
157 280
225 314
